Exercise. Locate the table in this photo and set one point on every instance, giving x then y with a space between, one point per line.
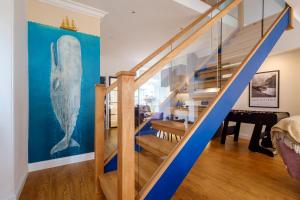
259 118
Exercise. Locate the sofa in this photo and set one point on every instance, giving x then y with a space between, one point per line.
286 139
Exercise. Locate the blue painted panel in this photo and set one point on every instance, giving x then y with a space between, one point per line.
47 127
111 165
181 165
147 130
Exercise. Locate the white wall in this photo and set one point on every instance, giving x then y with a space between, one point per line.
20 94
48 14
6 129
13 95
289 90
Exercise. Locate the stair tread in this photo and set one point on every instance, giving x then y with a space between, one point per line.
186 109
168 126
203 95
215 80
228 60
109 185
211 72
145 166
155 145
238 45
212 66
200 96
207 84
232 56
186 112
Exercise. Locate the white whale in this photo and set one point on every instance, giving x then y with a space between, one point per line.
65 87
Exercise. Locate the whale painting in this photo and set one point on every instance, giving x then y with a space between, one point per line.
63 69
65 86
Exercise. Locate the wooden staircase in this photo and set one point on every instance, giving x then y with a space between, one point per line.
145 165
157 150
156 145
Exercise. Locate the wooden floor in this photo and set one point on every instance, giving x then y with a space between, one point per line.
223 172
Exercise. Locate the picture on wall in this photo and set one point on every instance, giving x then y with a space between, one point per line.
64 67
264 90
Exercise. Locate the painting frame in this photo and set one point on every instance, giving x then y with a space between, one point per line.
261 100
58 60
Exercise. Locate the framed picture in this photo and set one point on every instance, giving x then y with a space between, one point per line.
63 70
264 90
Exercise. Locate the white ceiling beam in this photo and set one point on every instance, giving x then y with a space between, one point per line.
196 5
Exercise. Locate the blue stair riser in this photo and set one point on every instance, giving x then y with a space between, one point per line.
170 180
113 163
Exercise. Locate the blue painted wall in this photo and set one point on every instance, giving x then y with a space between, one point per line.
44 128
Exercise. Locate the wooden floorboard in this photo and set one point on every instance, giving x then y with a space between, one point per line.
232 172
223 172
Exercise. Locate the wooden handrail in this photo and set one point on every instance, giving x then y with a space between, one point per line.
166 59
169 42
143 193
111 87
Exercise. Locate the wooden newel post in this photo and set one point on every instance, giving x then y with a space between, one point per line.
126 176
99 133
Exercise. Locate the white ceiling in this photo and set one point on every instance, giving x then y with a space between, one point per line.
127 38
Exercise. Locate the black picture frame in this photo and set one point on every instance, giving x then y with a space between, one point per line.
262 93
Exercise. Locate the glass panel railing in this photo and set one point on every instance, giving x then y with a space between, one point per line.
150 90
220 5
272 9
111 121
173 99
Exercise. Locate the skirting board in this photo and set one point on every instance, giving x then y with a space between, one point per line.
242 136
245 136
21 185
60 162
